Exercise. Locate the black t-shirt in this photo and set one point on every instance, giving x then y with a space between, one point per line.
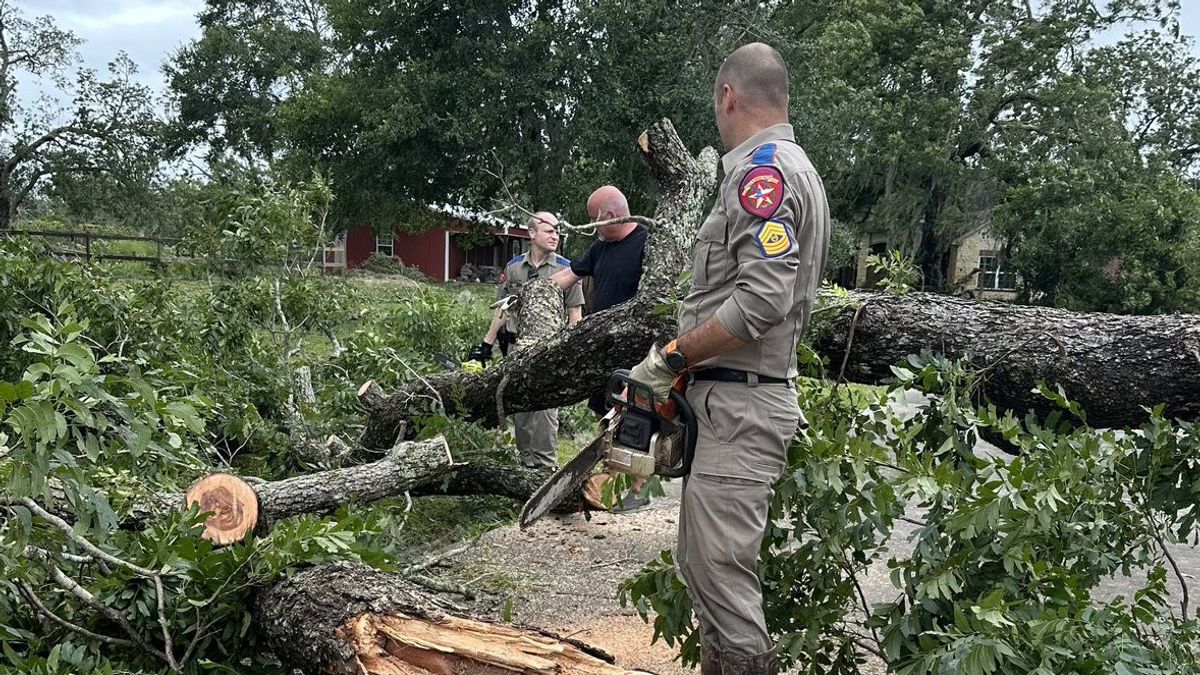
616 267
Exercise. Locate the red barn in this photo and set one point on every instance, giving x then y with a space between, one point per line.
440 253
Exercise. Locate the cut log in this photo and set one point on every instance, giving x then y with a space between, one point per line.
576 362
239 507
1114 366
231 500
405 466
349 618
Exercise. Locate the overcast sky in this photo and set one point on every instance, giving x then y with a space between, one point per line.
149 30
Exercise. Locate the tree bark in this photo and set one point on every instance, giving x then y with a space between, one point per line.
1114 366
347 618
487 476
577 361
405 467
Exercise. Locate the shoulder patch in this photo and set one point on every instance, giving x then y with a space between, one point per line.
765 154
562 261
773 238
516 259
761 191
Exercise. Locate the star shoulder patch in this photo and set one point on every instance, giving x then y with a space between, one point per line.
761 191
774 238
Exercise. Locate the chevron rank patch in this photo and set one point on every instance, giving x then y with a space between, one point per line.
774 238
761 191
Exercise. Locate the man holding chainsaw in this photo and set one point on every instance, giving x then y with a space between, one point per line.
537 431
758 262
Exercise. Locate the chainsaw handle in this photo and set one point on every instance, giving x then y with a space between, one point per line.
687 417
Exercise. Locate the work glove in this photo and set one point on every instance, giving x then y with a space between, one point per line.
482 353
654 372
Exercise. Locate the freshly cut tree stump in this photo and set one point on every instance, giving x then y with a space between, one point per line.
349 618
234 505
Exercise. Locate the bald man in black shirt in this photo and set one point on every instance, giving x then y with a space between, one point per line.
615 264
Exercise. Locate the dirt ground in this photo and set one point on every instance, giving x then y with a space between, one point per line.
562 575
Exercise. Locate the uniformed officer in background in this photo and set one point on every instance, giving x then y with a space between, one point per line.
758 262
537 431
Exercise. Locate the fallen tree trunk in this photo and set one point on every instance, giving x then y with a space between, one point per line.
1114 366
560 371
239 507
348 618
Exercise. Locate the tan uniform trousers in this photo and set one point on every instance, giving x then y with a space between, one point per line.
537 438
741 450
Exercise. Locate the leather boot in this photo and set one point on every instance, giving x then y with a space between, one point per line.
710 660
736 664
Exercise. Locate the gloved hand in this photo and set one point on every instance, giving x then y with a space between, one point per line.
482 353
654 372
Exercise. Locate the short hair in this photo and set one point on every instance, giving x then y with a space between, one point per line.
759 75
541 218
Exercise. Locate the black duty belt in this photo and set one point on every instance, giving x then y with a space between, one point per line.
734 375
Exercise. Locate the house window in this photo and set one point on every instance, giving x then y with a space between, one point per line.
385 244
995 272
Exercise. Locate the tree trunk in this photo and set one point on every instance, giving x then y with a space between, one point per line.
405 467
347 618
563 370
487 476
577 362
1112 365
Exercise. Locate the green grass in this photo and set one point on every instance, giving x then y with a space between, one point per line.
438 522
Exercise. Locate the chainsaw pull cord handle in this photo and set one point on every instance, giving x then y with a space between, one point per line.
677 403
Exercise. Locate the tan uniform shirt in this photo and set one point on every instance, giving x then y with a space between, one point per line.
760 253
520 270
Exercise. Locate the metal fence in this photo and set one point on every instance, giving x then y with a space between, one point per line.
88 247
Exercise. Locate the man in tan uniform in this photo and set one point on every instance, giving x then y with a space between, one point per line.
537 431
758 262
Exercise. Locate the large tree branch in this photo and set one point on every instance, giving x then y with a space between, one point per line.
1113 366
24 152
349 618
1000 106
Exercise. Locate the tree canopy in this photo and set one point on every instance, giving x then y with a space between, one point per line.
103 138
925 117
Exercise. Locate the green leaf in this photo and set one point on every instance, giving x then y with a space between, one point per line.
186 414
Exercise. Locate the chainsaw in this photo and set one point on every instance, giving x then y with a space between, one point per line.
636 437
